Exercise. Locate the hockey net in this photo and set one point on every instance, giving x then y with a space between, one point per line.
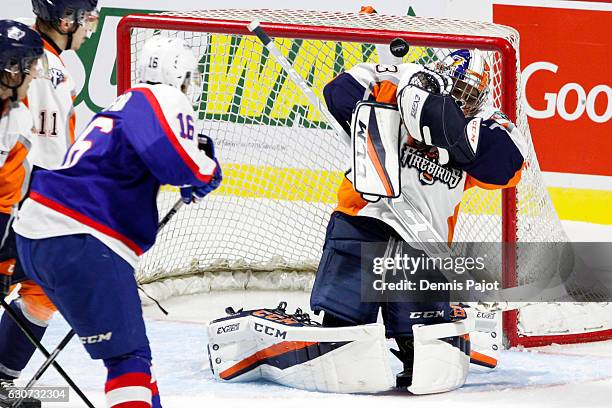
264 228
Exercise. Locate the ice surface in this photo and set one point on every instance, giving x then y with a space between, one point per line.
557 376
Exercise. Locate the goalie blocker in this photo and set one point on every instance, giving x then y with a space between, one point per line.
294 351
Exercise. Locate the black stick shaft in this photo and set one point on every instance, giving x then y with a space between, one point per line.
28 333
51 359
170 214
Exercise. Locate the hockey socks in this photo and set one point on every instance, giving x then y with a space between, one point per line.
15 348
130 383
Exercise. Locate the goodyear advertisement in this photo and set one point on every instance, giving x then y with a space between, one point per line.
568 99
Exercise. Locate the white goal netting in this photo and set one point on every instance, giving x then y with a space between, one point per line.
264 228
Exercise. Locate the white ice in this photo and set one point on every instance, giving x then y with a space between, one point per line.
559 376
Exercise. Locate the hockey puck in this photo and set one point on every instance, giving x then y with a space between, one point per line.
399 47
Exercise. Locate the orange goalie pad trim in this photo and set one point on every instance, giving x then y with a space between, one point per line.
367 10
482 359
350 201
36 302
380 170
268 352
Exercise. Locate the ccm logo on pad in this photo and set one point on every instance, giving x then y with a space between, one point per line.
427 315
270 331
96 338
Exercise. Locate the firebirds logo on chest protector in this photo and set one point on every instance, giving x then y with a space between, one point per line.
426 163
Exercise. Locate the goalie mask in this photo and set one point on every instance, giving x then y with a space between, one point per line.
471 75
170 61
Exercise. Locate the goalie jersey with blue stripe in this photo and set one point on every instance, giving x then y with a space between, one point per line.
436 189
109 180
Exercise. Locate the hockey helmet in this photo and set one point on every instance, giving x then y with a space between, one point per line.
471 75
170 61
80 12
21 53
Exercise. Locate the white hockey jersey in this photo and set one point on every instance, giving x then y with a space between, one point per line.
435 189
15 134
51 102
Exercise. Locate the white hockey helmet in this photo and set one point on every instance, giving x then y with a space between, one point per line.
169 61
471 74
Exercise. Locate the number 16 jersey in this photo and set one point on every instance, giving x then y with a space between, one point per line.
108 183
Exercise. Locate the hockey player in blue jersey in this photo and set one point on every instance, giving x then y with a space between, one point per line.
83 227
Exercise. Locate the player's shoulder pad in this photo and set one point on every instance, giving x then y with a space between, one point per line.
16 125
493 114
495 120
166 102
169 98
59 75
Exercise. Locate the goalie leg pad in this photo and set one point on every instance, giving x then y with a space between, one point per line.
250 347
441 357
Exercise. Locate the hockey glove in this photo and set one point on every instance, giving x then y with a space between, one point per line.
433 117
193 194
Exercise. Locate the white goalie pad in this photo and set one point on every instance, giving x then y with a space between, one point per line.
376 156
441 364
261 344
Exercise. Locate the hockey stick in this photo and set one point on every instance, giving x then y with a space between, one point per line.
177 206
13 294
50 360
28 333
412 221
413 226
204 144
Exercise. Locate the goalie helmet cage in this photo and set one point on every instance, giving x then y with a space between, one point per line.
272 209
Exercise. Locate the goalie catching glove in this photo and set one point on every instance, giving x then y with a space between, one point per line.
431 116
193 194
